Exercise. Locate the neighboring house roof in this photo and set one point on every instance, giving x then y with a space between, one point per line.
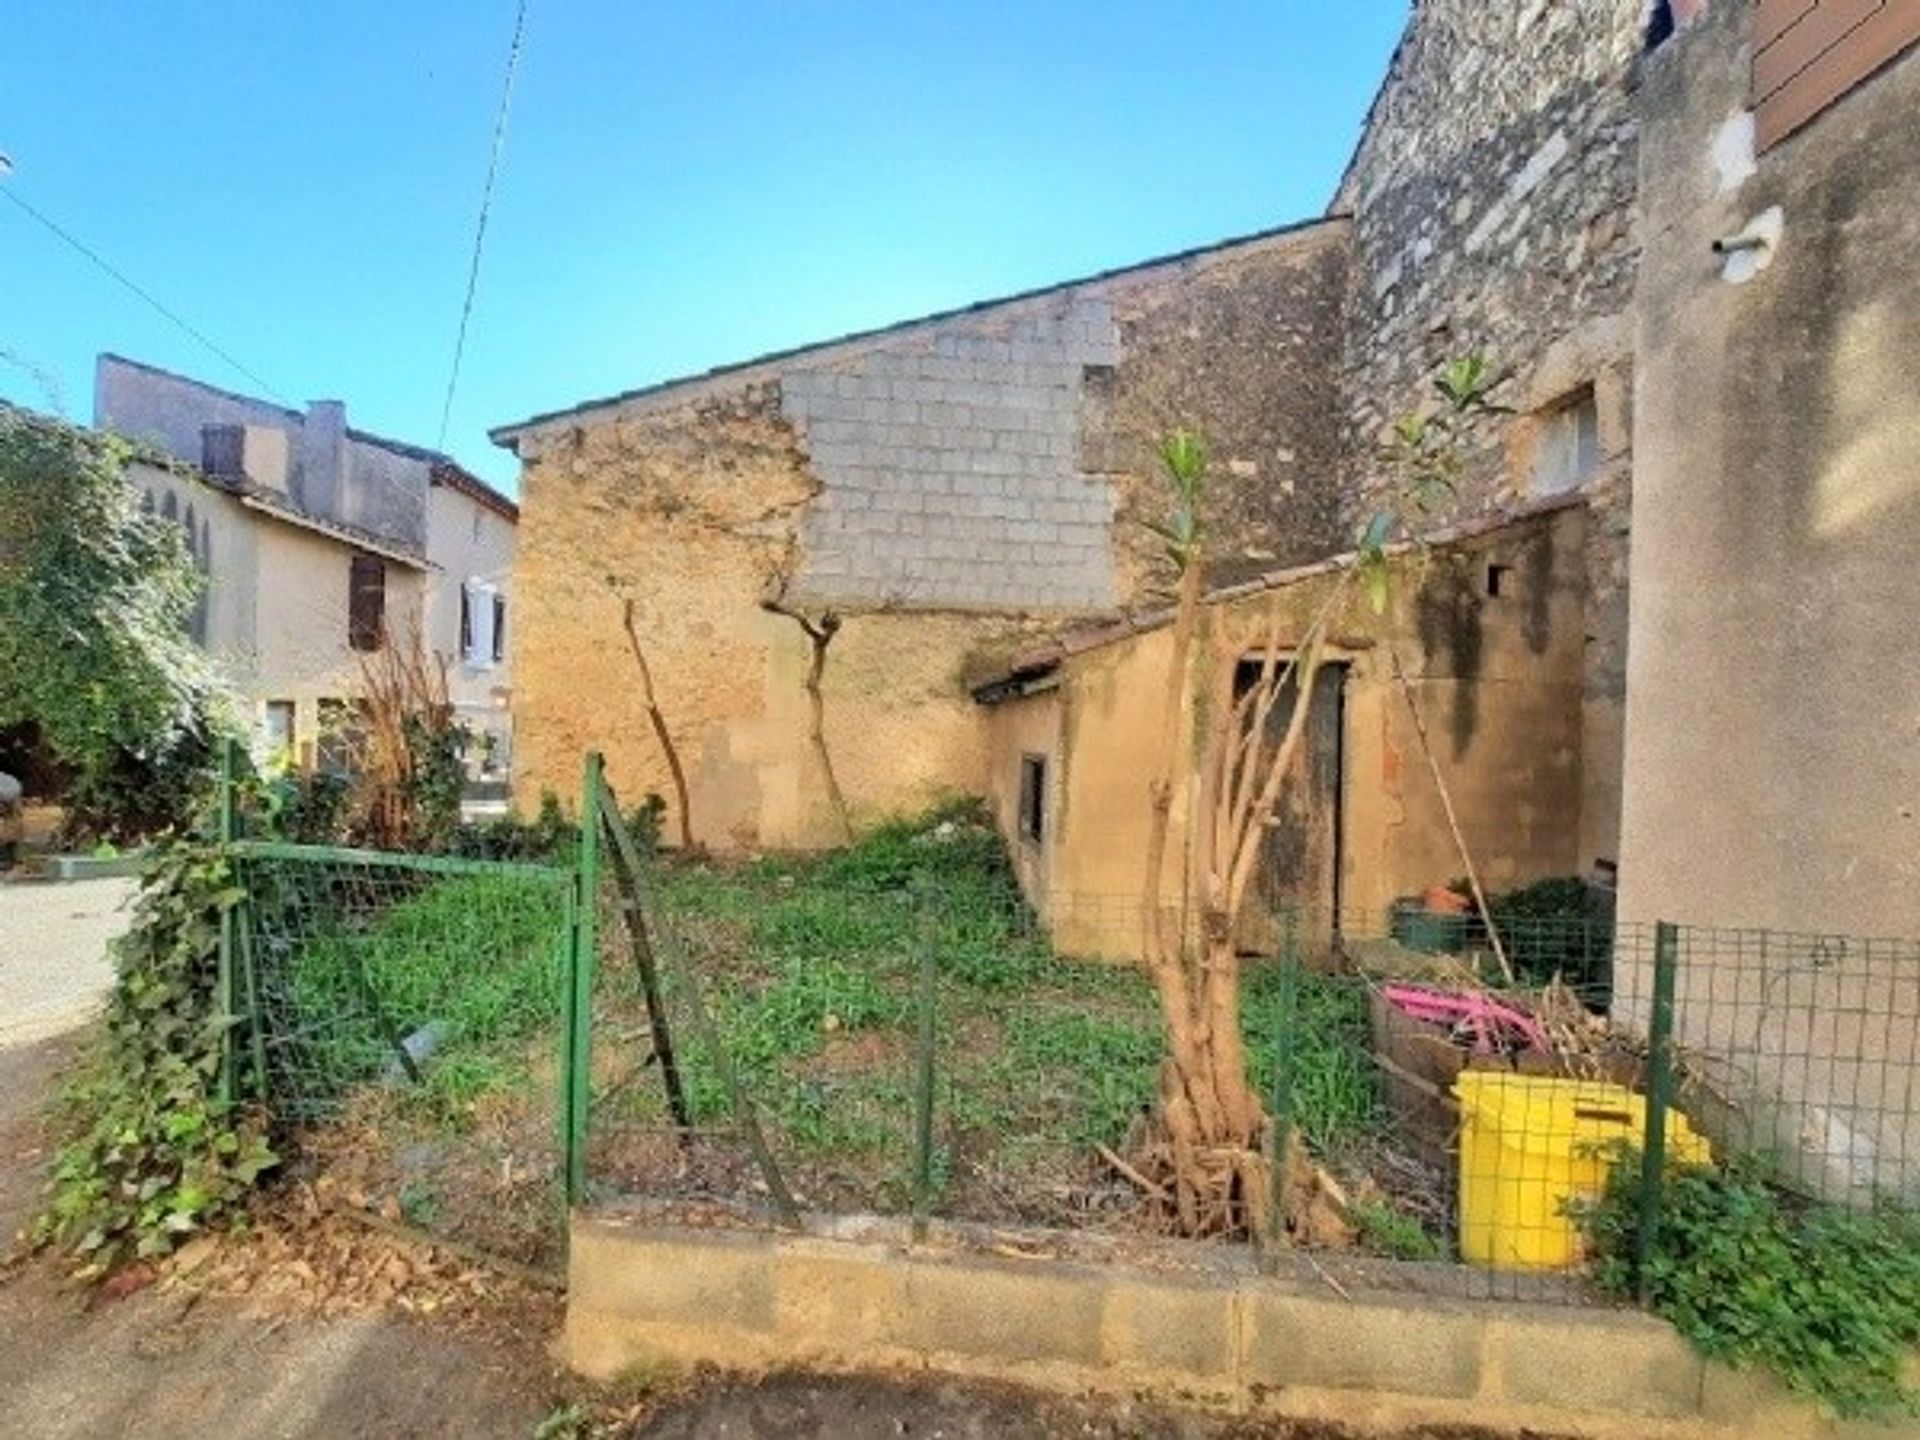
1043 659
276 506
505 435
443 468
272 503
445 472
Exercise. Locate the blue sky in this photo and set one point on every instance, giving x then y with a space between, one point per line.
684 183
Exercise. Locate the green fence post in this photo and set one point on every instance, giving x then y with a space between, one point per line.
923 1091
1280 1126
1653 1148
228 820
577 1092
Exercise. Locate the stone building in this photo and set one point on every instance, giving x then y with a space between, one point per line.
951 489
1540 182
320 542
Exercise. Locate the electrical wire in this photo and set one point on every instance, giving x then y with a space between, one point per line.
480 225
8 193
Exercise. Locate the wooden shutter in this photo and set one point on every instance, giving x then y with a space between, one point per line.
367 603
1809 53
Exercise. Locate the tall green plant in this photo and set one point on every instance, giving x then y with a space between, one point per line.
96 595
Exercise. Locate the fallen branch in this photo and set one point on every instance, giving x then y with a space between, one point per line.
414 1235
1127 1171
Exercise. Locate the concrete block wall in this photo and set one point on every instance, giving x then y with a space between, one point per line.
1212 1331
950 465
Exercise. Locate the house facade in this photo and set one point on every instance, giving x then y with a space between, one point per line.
319 544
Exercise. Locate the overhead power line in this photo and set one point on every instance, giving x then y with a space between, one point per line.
480 225
8 194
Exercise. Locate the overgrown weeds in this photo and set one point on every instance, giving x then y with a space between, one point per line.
1825 1296
812 969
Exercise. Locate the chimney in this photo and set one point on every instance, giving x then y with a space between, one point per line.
264 456
255 453
320 477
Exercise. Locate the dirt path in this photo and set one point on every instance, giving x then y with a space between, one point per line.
803 1407
161 1367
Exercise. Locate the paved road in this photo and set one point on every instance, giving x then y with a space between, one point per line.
54 968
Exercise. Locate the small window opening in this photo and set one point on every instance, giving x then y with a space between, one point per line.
1566 444
499 628
466 623
367 602
1033 796
279 731
1497 577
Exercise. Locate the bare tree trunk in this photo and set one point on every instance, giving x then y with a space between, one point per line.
682 803
819 635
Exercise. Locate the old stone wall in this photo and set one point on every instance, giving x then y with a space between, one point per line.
1493 204
951 489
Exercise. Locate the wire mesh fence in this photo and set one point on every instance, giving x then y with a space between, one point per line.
922 1040
402 1023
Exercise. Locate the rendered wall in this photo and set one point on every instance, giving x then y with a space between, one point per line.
1498 681
1773 762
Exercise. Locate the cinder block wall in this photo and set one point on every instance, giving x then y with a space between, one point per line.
952 489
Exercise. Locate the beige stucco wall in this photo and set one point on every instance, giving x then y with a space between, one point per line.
277 597
469 542
1772 757
687 513
1499 682
301 611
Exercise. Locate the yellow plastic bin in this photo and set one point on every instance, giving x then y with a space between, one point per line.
1529 1144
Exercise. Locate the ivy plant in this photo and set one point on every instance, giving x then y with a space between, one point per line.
156 1155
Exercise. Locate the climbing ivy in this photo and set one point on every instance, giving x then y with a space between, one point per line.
156 1154
97 595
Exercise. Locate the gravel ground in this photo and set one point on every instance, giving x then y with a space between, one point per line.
54 967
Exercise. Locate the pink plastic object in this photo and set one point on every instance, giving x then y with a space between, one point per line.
1480 1015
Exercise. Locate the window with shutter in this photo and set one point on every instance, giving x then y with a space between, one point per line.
466 623
367 603
1809 53
499 628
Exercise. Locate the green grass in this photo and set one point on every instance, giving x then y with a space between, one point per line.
810 966
352 970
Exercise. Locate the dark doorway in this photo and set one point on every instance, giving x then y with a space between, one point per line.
1302 860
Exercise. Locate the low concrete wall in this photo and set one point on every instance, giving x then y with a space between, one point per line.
1211 1332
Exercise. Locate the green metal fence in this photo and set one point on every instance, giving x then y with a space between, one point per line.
899 1031
406 1020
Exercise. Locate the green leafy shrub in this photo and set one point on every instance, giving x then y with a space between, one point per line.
95 650
157 1156
1824 1296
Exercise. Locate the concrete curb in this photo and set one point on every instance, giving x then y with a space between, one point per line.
739 1299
